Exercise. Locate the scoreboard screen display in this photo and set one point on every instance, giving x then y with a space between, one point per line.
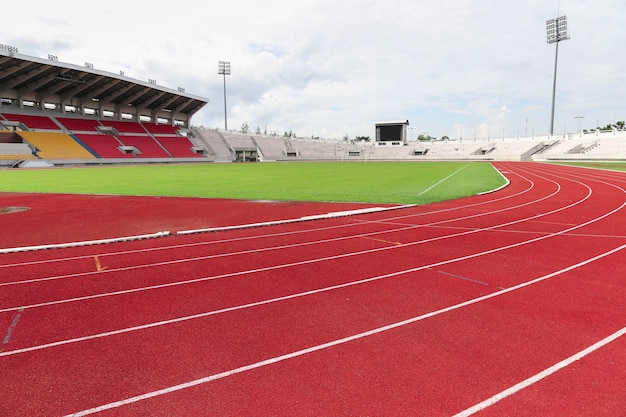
389 133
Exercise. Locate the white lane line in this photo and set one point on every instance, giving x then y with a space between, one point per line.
333 343
328 258
273 300
222 228
300 263
541 375
271 235
444 179
272 248
160 286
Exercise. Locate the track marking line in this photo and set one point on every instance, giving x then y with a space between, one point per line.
320 241
333 343
302 263
384 241
541 375
345 255
556 223
464 278
12 326
168 247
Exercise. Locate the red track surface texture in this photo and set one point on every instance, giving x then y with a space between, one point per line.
505 304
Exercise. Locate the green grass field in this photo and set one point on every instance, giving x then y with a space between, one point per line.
372 182
616 166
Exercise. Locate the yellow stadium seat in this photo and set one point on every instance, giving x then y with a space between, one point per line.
52 145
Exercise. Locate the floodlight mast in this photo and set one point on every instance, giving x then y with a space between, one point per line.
223 68
556 32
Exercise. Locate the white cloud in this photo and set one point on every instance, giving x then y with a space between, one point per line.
330 68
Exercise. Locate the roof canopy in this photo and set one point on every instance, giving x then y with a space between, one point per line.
50 85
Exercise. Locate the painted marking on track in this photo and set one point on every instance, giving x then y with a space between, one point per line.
463 278
99 267
541 375
557 223
383 240
12 327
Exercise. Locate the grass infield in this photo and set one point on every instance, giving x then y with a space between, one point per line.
371 182
615 166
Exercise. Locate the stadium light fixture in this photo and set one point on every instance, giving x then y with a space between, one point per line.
579 122
556 30
223 68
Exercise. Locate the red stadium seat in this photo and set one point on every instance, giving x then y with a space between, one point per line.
147 146
106 146
32 121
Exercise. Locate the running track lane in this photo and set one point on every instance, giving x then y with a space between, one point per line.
436 366
63 218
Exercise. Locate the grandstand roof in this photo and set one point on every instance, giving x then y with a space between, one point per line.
47 82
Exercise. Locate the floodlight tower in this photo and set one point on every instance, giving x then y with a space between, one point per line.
579 123
223 68
556 32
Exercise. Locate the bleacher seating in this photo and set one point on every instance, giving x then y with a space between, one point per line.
319 150
160 129
33 121
65 137
56 145
147 147
83 137
105 146
79 125
272 148
214 143
124 126
239 141
178 146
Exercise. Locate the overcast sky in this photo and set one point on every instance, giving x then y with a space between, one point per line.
462 68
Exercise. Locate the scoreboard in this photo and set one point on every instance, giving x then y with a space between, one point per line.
391 133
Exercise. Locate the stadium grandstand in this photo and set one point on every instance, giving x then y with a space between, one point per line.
54 113
62 113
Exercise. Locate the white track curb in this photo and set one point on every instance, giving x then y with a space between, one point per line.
300 219
207 230
84 243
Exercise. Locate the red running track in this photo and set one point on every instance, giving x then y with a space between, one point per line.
67 218
510 303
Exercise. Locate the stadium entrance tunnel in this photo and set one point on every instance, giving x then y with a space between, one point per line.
246 155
